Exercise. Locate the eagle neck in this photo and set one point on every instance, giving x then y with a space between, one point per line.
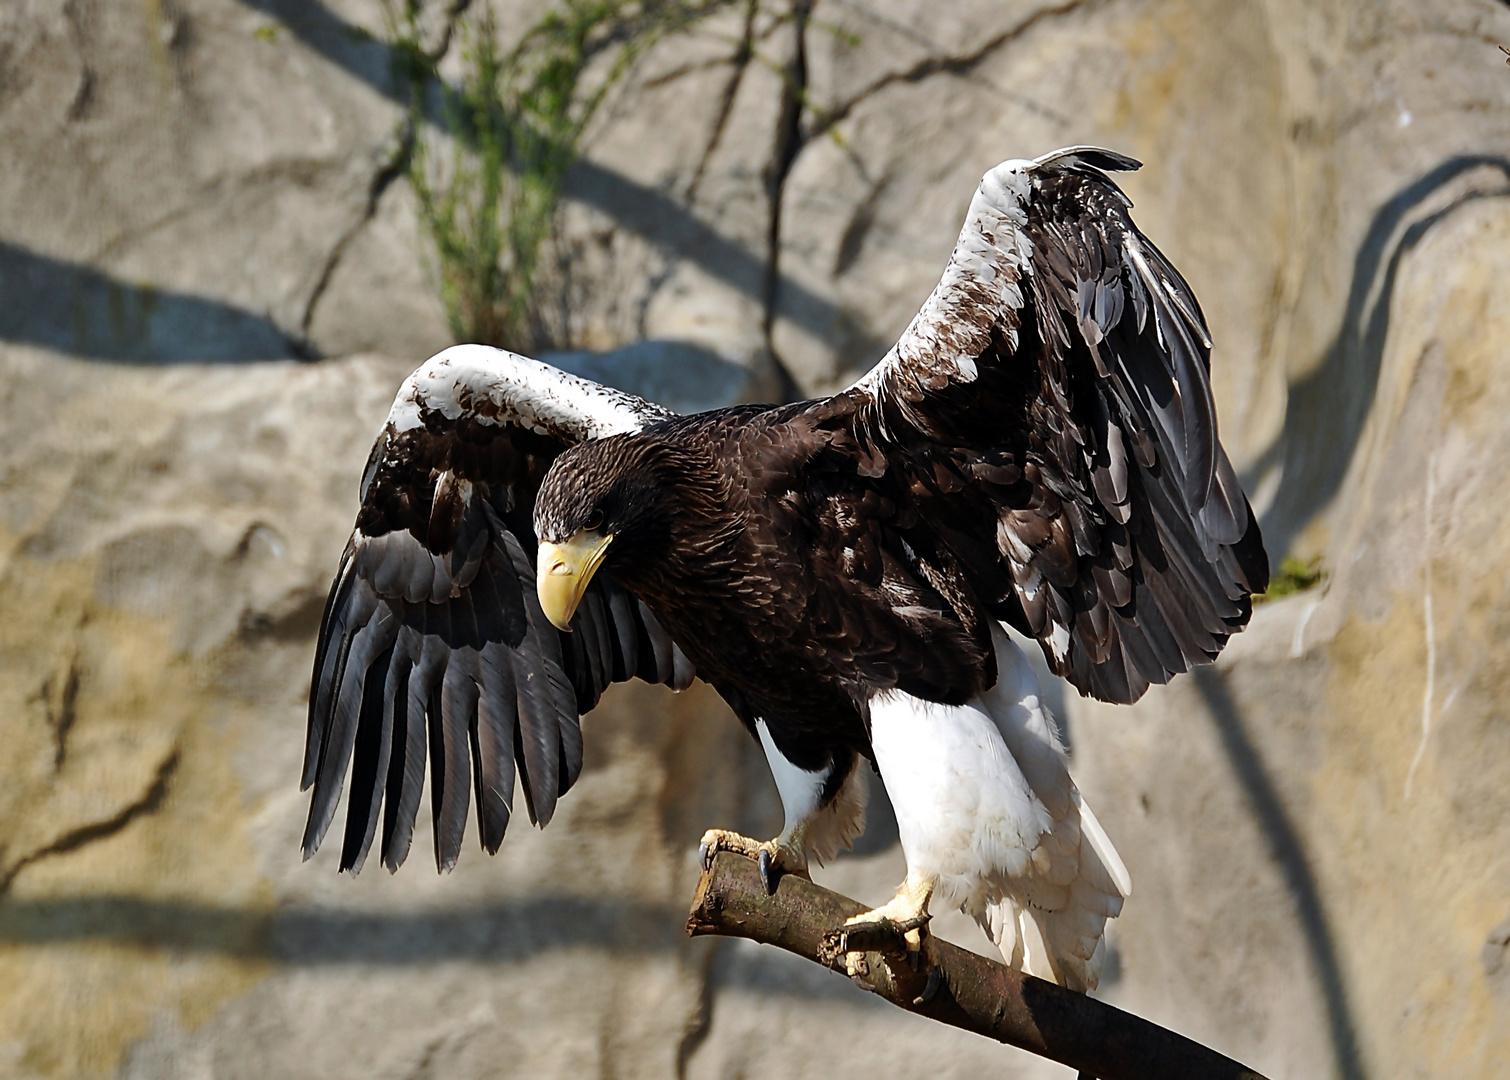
696 532
700 559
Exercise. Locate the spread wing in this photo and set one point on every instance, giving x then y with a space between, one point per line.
433 645
1051 406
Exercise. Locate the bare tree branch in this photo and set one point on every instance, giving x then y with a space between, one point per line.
951 985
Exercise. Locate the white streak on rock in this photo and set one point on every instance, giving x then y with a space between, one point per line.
1431 632
1298 642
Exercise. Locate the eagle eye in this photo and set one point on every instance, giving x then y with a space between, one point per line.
594 521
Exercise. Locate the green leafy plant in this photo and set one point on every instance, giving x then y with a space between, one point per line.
1294 576
516 119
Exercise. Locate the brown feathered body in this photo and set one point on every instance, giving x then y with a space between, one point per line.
793 584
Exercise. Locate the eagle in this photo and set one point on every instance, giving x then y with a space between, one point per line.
1039 452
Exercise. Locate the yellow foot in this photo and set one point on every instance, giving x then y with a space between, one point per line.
905 916
775 857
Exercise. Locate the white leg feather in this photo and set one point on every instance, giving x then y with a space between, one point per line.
799 789
822 830
985 804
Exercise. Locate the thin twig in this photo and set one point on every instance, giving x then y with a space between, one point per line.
951 985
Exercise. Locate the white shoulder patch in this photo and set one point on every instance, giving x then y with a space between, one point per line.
495 386
1008 186
982 280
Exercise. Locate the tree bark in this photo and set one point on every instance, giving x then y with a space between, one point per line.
949 984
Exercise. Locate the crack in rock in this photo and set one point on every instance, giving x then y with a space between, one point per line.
743 54
62 714
391 169
382 180
84 97
149 802
700 1020
958 64
788 144
792 136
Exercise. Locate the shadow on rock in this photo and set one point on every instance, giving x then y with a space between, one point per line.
1288 850
1328 408
683 377
75 309
305 937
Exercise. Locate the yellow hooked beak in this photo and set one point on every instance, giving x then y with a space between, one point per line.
562 572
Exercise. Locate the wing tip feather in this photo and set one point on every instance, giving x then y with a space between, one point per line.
1075 158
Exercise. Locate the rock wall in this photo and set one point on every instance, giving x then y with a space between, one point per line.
196 190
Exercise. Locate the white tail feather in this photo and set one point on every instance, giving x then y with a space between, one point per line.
1102 845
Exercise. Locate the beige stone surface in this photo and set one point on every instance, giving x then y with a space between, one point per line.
185 178
1317 828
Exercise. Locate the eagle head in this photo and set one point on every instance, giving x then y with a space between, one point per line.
607 500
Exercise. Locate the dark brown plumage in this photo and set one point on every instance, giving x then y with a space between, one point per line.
1040 448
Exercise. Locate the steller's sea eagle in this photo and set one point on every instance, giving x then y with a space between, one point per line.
1038 451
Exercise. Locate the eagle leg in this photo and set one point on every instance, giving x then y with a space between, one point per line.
786 854
824 810
905 916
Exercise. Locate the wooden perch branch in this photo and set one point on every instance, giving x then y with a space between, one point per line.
969 991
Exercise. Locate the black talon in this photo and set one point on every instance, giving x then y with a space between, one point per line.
935 976
765 873
705 855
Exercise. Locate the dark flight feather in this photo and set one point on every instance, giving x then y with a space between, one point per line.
433 650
